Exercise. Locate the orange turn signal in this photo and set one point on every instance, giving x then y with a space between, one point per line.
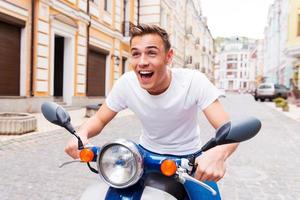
86 155
168 167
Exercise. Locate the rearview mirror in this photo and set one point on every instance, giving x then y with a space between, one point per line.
55 114
234 131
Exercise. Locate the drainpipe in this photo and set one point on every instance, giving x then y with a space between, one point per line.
87 44
279 47
32 46
138 11
184 41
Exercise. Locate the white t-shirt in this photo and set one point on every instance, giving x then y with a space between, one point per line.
169 120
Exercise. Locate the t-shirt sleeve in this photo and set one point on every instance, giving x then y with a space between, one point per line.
116 99
208 93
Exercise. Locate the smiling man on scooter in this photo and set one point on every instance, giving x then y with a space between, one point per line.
167 102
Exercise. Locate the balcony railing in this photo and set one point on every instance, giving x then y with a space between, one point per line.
189 60
126 26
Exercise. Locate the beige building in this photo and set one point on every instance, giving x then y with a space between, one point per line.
236 73
293 42
256 62
189 34
72 52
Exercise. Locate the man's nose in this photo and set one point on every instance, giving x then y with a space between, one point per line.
143 61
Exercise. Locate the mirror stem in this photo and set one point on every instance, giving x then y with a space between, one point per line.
210 144
70 128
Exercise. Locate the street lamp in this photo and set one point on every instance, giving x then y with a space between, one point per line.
116 60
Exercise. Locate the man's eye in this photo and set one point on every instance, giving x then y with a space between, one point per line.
152 53
135 54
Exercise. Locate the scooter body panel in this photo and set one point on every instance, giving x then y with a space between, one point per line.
199 193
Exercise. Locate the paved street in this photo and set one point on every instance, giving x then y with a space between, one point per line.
263 168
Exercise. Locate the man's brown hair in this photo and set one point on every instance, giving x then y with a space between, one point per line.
144 29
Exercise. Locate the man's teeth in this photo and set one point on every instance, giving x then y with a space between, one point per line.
145 73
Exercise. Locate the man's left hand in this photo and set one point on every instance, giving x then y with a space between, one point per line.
211 164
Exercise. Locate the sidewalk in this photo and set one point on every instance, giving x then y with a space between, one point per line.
293 113
77 118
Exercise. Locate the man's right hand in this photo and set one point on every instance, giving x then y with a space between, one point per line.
72 147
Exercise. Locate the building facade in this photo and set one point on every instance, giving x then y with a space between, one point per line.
292 49
256 61
235 74
72 51
277 64
190 37
69 51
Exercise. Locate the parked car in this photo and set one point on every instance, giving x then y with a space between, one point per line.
270 91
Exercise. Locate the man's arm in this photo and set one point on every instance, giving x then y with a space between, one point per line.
92 127
211 164
97 122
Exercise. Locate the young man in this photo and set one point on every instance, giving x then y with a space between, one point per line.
166 101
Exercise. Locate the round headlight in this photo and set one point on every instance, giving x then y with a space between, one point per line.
120 163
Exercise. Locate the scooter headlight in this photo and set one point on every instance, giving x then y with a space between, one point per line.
120 164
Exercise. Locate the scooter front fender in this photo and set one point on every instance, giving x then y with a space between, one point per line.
101 191
96 191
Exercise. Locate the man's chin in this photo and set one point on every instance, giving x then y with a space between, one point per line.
146 86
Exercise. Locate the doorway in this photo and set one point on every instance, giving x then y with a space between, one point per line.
96 73
10 37
58 66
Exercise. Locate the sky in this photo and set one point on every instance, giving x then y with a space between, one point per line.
236 17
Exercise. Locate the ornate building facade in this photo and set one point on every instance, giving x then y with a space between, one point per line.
72 51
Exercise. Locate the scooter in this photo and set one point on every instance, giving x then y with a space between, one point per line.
131 172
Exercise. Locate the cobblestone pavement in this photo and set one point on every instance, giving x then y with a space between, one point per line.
265 167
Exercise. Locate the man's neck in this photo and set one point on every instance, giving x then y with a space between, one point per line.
165 86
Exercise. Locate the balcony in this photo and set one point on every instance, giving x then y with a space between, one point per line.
189 60
231 59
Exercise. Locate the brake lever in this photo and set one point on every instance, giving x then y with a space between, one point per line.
183 177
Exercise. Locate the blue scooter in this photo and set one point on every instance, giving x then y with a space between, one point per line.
131 172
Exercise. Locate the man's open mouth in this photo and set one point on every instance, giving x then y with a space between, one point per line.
146 74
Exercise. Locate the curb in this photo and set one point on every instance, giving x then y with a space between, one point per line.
294 112
44 126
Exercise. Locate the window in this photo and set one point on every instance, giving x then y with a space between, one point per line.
265 87
231 66
108 5
232 57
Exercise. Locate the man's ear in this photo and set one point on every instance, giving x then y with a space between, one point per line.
170 55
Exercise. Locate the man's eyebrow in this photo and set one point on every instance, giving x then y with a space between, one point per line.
133 49
148 47
152 47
